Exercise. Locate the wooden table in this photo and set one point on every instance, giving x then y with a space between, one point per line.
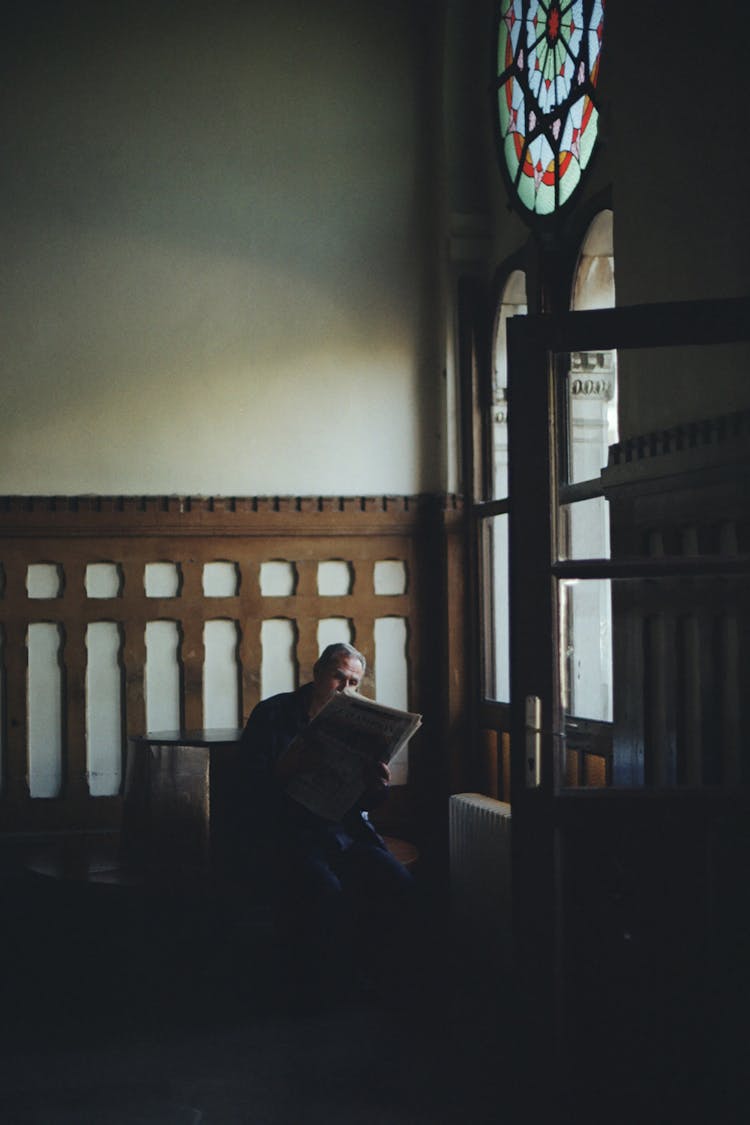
177 800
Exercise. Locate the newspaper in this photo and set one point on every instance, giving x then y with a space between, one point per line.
350 732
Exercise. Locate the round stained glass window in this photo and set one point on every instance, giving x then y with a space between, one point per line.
547 69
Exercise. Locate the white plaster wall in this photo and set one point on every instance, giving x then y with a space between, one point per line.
213 263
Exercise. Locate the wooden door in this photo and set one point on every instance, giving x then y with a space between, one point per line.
630 900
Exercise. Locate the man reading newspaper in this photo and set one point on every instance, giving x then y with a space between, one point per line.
311 776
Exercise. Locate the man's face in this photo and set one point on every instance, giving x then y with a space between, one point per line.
344 673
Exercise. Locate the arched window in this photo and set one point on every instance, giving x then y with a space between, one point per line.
594 281
592 384
495 611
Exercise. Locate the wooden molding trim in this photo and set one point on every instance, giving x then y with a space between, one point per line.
220 515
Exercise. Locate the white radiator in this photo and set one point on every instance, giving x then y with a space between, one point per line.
480 880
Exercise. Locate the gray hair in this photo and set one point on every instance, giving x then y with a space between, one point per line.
332 652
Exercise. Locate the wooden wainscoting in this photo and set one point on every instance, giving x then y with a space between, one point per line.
72 562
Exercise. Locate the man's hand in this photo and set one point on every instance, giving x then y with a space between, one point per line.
378 773
377 779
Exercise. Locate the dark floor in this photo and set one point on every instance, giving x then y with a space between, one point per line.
117 1012
121 1008
358 1066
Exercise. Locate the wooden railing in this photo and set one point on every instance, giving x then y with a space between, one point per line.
679 504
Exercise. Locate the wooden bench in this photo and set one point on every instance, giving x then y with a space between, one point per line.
177 832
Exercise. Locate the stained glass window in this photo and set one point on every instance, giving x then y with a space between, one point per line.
547 69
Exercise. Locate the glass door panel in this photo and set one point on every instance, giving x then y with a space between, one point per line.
495 607
591 410
586 404
680 650
673 723
586 628
512 303
584 529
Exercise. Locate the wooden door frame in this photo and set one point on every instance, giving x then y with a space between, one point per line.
535 572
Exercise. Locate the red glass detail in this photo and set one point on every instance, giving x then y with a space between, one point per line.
562 165
588 109
553 23
536 64
527 167
548 82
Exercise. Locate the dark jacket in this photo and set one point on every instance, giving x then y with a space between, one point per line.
275 821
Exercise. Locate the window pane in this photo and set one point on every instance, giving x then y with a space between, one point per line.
584 530
676 698
591 380
586 632
512 303
494 549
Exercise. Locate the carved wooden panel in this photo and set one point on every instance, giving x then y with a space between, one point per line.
164 572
